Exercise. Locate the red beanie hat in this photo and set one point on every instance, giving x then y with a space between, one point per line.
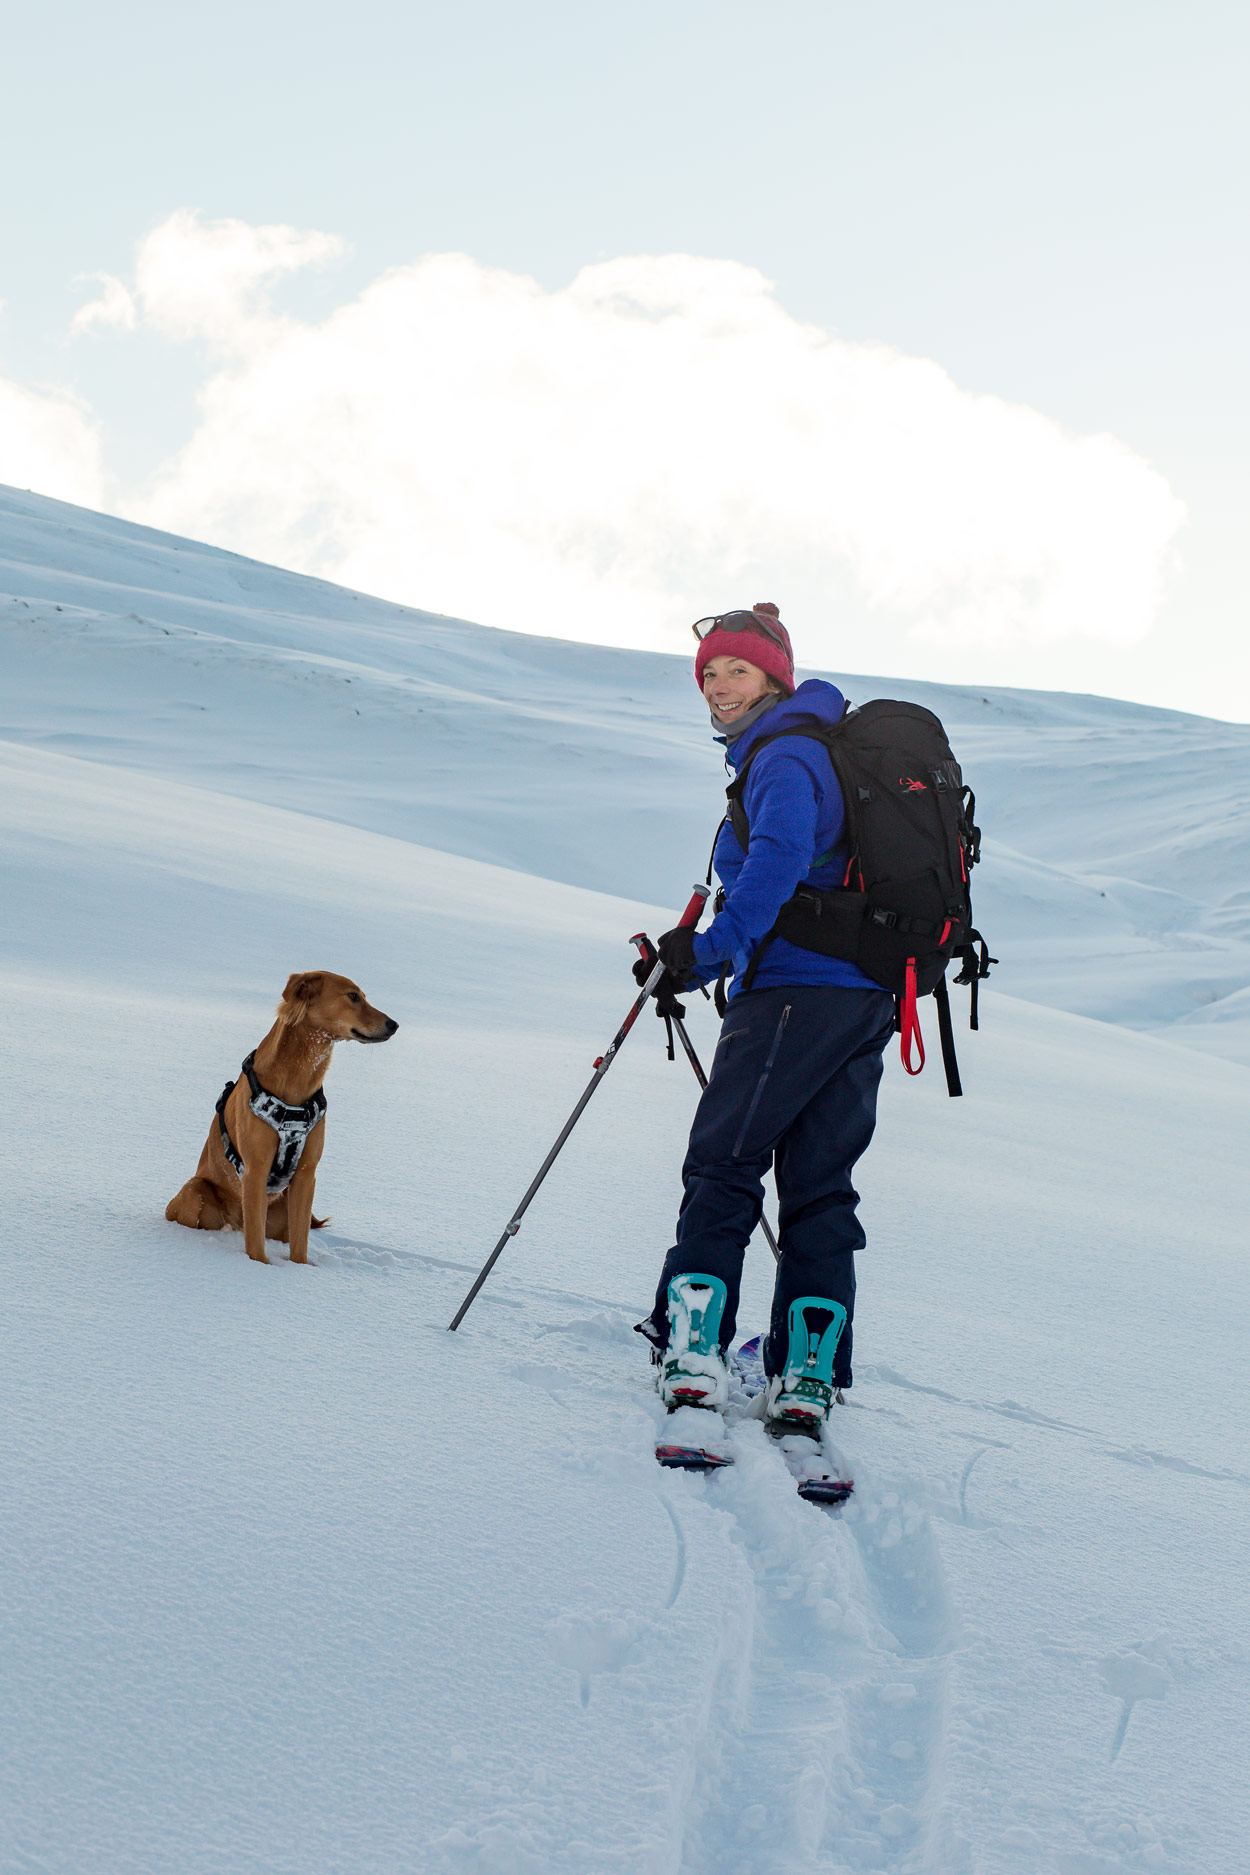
758 636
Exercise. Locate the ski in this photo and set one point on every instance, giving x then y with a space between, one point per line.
696 1434
693 1439
691 1458
818 1474
816 1480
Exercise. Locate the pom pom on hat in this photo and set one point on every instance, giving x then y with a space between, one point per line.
752 643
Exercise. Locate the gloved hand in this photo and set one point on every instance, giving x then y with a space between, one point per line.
665 995
676 948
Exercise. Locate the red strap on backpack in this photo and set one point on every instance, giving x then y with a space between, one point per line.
909 1022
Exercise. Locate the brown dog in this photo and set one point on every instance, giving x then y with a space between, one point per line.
258 1169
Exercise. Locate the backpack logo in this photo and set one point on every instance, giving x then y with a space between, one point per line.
913 787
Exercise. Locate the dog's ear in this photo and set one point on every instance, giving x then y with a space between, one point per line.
299 992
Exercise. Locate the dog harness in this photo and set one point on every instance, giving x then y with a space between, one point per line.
291 1124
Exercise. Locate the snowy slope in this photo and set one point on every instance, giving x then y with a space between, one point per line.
292 1580
1117 882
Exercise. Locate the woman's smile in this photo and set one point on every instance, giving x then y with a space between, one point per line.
731 685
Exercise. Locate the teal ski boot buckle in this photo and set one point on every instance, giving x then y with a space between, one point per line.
693 1372
799 1398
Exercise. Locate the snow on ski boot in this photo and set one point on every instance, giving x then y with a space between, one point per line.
693 1371
798 1399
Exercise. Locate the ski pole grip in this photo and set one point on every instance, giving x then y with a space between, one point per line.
694 910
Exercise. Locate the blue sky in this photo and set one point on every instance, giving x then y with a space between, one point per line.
1046 201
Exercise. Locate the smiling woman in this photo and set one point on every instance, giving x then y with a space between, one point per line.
794 1080
744 666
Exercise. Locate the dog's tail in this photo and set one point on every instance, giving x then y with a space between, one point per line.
319 1223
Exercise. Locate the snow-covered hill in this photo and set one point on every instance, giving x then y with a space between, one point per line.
1117 882
293 1581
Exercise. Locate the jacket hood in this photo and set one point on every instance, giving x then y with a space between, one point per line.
814 699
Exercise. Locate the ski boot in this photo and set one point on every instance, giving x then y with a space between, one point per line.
692 1368
798 1399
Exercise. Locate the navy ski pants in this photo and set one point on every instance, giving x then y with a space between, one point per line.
794 1082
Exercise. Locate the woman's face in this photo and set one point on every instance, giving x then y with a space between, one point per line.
731 685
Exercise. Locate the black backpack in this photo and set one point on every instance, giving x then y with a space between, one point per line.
904 908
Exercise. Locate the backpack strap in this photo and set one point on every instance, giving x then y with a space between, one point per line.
907 1022
757 958
954 1086
814 731
711 858
736 815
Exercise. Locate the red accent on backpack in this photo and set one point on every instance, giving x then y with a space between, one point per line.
909 1022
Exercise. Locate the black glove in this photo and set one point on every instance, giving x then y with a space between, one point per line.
665 993
676 949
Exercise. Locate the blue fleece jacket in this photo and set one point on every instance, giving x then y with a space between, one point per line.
794 805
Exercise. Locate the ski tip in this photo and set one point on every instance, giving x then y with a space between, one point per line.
826 1490
690 1458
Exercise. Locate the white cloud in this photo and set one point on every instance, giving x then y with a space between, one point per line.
207 282
114 309
49 443
656 440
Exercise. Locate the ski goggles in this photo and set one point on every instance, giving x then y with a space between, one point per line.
739 622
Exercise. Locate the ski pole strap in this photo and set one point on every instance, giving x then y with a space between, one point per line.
909 1022
949 1061
691 1056
650 957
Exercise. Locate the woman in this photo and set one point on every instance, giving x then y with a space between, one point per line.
794 1081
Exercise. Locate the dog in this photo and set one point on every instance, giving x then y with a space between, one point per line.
258 1169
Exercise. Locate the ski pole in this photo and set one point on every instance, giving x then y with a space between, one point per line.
690 916
647 950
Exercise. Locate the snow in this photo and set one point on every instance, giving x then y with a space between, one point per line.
291 1579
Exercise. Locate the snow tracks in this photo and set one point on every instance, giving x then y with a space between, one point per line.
824 1747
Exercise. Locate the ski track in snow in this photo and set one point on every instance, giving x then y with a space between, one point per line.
264 1611
831 1744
